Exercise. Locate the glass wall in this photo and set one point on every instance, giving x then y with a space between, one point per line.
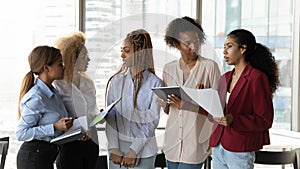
271 21
108 22
24 25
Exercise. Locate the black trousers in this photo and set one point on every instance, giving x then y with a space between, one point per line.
78 155
37 154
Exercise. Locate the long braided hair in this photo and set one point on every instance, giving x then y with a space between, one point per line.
142 60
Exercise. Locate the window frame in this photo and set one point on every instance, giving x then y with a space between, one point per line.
296 68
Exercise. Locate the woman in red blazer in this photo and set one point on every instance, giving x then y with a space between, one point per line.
246 93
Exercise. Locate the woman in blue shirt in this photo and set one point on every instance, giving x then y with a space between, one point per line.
42 114
131 123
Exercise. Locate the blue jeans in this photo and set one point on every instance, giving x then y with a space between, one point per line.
179 165
223 159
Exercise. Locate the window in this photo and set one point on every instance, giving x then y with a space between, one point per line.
24 25
108 22
272 24
107 27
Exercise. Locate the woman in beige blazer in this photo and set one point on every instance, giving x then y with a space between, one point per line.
188 128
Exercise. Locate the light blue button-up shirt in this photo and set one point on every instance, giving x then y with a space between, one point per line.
40 108
135 125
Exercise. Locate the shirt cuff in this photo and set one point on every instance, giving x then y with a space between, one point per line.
137 145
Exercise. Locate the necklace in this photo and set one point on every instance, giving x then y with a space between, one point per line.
234 79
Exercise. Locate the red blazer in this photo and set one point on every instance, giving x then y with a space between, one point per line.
251 106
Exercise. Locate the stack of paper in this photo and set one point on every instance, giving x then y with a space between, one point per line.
78 129
80 126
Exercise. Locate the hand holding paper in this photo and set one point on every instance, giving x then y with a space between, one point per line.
78 129
208 99
100 117
225 121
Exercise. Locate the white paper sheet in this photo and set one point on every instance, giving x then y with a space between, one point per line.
208 99
78 129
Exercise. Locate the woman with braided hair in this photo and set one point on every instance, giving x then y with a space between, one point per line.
131 123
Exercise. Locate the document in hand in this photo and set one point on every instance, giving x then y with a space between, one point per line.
78 129
100 117
208 99
163 92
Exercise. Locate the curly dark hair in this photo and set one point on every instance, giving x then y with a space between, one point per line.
179 25
258 55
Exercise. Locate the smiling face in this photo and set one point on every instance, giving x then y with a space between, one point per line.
233 53
127 53
189 44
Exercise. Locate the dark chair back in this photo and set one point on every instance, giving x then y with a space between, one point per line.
277 157
207 164
4 144
160 161
102 162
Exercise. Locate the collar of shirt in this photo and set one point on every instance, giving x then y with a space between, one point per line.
48 92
